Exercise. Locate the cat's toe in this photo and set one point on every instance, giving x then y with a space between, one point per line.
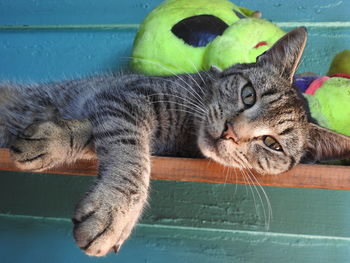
95 232
101 227
38 147
30 154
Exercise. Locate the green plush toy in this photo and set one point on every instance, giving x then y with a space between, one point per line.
330 104
181 36
340 63
329 96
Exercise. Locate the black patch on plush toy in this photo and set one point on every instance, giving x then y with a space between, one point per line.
198 31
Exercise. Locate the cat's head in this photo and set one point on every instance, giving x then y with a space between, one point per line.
257 119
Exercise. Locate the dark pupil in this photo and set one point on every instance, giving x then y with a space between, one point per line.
272 143
248 96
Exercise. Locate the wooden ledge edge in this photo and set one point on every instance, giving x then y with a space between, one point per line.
202 170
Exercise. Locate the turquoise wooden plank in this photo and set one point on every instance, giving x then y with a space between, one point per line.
322 45
49 240
43 55
42 12
52 55
301 10
23 12
201 205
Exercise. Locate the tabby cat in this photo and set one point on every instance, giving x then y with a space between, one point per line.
248 115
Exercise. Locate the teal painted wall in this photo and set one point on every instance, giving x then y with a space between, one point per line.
186 222
29 54
28 239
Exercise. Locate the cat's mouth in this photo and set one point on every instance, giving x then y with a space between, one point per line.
218 149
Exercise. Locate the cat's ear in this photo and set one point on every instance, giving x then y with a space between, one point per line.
285 54
324 144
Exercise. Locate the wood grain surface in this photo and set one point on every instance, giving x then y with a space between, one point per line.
202 170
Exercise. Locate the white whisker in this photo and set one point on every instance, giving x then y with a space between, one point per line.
171 73
251 189
235 170
188 100
266 198
199 99
196 70
177 103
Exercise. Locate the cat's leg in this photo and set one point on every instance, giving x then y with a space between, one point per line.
107 214
47 144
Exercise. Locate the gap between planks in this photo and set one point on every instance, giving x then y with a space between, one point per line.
293 24
203 170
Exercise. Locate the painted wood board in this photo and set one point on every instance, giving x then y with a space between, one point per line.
50 240
47 55
190 204
202 170
89 12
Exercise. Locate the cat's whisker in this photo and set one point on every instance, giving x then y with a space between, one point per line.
236 177
188 100
190 87
180 104
193 113
197 71
196 115
245 180
227 170
171 73
185 88
195 81
266 215
269 207
249 183
268 203
209 163
245 172
195 107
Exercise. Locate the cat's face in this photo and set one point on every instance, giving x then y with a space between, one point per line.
256 119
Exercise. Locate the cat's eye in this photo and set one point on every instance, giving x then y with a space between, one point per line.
272 143
248 96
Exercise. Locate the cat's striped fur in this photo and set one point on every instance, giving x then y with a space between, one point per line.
127 118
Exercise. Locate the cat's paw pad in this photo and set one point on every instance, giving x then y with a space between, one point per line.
100 227
40 146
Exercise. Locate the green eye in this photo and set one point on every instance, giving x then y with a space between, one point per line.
272 143
248 96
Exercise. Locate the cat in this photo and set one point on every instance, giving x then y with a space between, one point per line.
248 115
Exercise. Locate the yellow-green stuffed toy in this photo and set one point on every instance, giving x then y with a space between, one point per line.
329 96
181 36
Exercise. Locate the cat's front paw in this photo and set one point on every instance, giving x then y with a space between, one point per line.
104 219
42 145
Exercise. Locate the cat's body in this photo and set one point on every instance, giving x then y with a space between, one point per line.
248 116
164 104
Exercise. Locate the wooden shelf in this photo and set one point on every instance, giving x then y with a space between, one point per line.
202 170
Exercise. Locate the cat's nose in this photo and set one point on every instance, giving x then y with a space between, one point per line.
229 133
